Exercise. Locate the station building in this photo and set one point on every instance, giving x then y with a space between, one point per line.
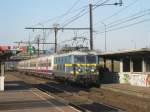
129 66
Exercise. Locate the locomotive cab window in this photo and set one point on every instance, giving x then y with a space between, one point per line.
90 59
79 59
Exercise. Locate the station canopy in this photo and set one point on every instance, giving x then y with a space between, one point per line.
143 52
6 52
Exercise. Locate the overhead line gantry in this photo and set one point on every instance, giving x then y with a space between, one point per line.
56 29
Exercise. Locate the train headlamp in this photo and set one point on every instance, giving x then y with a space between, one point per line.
79 70
92 70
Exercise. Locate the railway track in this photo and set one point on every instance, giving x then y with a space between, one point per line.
95 107
69 95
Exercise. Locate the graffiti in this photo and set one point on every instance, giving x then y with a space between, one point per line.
148 80
138 79
126 78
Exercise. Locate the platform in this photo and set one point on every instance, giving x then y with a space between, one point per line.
143 92
21 97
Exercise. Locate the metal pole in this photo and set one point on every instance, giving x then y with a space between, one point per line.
105 39
30 51
43 36
91 24
29 44
43 40
38 42
56 30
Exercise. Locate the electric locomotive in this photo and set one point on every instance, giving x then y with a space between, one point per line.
78 67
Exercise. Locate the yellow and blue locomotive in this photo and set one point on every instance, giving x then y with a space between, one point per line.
79 67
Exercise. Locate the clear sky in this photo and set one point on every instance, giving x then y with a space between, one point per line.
15 15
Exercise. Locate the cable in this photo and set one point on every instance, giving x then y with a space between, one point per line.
63 15
125 21
79 15
129 25
122 21
69 10
116 13
138 13
96 7
76 17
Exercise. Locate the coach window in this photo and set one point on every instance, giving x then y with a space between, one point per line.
137 64
41 64
49 62
56 60
33 64
126 65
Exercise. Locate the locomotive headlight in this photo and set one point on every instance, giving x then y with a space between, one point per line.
92 70
79 69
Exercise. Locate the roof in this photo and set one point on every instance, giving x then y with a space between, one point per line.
78 53
6 54
131 52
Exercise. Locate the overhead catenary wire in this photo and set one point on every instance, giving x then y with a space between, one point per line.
140 13
121 21
125 26
97 5
115 14
70 10
128 20
82 13
118 12
79 15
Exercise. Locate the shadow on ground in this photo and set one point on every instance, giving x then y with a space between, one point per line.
16 85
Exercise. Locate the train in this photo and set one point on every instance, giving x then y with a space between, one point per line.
76 66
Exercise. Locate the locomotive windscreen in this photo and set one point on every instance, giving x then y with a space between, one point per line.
79 59
91 59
